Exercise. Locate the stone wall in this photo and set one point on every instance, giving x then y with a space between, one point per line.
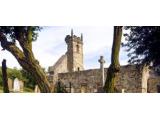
59 67
91 80
88 80
130 79
153 81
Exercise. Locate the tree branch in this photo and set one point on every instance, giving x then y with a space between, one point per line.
11 47
26 43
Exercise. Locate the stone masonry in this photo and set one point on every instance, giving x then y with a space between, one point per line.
70 71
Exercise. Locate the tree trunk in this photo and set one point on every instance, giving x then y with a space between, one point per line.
4 77
27 60
114 68
31 65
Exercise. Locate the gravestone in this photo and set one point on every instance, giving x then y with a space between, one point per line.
123 90
10 84
37 90
16 85
21 85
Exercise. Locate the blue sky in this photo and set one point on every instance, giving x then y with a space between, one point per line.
50 45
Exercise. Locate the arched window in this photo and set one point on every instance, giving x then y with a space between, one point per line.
78 69
77 48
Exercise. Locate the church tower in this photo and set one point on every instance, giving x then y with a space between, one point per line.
74 52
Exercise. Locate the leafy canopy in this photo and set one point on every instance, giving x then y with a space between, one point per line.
143 44
16 32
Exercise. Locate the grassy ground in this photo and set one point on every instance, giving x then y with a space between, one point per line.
26 90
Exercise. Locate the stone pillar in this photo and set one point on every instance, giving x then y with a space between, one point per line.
4 77
102 61
145 76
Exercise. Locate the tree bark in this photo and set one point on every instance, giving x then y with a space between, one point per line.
4 77
27 60
114 68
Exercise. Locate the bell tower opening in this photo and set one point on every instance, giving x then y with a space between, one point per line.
77 47
74 52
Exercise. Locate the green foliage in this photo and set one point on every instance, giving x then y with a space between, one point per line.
24 35
26 89
143 44
30 82
21 75
15 32
12 73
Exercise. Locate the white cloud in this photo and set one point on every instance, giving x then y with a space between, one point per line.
50 45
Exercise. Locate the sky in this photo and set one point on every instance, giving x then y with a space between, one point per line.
51 45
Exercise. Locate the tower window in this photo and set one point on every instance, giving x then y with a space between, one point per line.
77 48
78 69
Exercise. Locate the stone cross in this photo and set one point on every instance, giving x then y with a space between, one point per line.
102 61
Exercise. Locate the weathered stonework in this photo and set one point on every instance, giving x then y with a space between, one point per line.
153 81
74 53
82 81
59 67
71 61
69 70
130 80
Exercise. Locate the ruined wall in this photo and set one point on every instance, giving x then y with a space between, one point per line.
153 81
91 80
59 67
130 79
88 79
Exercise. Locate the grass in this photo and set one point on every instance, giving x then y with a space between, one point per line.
25 90
28 90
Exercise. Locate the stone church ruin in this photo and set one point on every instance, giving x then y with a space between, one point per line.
70 71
